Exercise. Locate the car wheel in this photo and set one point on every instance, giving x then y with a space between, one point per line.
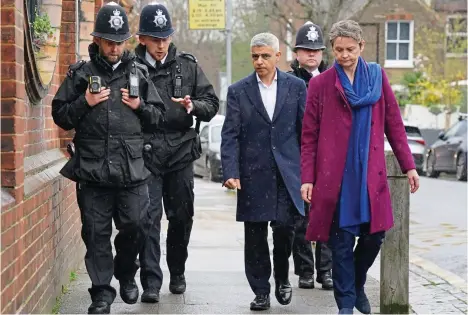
461 167
430 167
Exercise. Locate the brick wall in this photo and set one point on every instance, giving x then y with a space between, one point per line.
40 222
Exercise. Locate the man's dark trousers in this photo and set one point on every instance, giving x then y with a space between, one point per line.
176 190
302 250
350 267
98 206
256 251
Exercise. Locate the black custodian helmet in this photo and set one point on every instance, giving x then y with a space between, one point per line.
155 21
112 23
309 36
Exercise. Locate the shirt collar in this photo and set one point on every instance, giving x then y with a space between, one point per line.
315 73
152 61
114 66
274 79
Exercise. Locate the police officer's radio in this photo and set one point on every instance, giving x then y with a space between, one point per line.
178 86
94 84
133 88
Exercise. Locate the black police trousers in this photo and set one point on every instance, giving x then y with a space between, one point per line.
256 251
98 206
175 189
302 250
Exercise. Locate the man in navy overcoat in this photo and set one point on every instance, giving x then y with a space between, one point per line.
260 154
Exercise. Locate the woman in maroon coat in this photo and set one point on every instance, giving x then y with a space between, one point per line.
349 109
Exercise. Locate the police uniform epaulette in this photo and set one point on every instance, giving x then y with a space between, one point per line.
186 55
74 67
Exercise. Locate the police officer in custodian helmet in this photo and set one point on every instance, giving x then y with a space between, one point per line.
308 63
106 101
171 149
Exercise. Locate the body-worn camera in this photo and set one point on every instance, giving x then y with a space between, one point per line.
94 84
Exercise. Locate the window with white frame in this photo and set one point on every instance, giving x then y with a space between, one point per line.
456 34
289 40
399 44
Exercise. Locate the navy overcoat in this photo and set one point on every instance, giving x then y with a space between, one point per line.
254 147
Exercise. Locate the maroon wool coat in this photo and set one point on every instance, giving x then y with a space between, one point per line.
325 133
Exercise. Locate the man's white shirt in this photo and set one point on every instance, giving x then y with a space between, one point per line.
268 94
152 61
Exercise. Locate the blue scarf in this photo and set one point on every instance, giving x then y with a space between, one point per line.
354 208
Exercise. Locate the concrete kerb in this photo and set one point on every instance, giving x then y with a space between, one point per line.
445 275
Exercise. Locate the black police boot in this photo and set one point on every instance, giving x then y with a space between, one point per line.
325 278
99 307
362 303
260 303
150 296
129 291
283 292
177 284
306 281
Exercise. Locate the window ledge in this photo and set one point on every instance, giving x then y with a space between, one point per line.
404 64
455 55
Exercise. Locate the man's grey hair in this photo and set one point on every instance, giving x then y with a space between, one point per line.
346 28
265 39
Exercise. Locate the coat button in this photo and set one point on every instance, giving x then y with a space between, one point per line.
110 162
147 147
274 148
375 148
380 173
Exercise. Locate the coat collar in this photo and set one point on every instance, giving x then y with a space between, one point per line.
253 93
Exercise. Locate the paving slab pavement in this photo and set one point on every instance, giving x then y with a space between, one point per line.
216 282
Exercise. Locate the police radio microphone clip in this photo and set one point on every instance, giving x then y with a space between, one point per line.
94 84
133 88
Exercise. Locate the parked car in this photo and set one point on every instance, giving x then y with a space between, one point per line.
209 163
416 143
448 153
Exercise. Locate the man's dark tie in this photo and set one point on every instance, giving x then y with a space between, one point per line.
158 64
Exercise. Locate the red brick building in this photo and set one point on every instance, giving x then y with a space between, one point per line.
391 30
40 220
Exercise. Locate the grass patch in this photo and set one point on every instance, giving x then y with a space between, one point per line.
65 289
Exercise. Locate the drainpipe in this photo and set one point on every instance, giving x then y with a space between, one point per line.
77 29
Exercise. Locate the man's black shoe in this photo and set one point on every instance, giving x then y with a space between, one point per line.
99 307
362 303
283 292
177 284
306 281
260 303
150 296
325 278
129 291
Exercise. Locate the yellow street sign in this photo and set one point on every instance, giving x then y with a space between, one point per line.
207 14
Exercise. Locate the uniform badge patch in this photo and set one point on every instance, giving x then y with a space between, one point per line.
116 21
160 19
312 35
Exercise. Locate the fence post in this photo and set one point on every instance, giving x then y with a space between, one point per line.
394 258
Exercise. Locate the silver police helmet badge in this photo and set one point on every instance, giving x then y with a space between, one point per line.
116 21
160 19
312 35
